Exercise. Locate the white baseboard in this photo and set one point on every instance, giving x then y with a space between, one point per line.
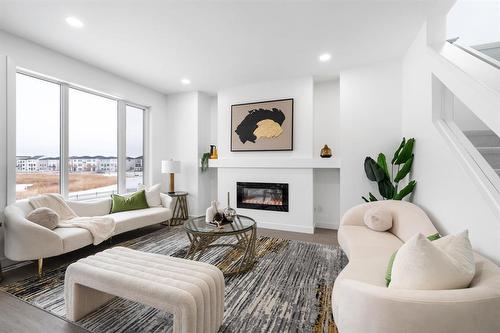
286 227
333 225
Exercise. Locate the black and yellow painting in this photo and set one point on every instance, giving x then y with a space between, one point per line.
262 126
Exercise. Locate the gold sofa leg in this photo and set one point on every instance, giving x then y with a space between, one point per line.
40 267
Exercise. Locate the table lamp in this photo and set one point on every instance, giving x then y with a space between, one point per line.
170 166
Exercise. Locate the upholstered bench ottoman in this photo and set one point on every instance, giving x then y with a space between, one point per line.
192 291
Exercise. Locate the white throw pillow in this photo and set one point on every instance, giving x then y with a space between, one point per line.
45 217
378 219
153 195
424 265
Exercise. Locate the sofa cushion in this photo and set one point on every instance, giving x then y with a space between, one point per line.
74 238
153 195
45 217
421 265
122 203
135 219
388 273
378 219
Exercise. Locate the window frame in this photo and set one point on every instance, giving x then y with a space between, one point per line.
64 132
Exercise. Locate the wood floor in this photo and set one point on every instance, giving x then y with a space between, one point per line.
21 317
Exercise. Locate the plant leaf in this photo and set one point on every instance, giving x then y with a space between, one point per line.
402 144
365 199
386 188
372 197
404 170
381 161
406 152
373 171
406 190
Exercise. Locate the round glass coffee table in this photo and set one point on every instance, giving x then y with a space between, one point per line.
203 236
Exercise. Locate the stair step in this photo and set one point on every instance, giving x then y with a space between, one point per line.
483 138
491 155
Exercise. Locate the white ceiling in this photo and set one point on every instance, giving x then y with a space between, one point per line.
218 44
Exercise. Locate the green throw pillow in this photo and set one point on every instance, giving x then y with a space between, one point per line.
391 260
130 202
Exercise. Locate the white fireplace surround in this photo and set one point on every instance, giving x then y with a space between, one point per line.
299 217
309 178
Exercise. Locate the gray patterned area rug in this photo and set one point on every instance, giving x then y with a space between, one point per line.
288 290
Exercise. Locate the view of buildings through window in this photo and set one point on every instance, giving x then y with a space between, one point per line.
92 142
134 146
37 137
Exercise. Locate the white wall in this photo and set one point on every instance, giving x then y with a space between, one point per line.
301 90
326 131
34 57
3 145
190 135
445 190
182 136
370 122
300 217
207 179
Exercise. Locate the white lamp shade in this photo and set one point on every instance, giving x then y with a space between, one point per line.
170 166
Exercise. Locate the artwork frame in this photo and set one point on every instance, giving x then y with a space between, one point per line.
273 119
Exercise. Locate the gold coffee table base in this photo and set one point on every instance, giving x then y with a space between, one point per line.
202 240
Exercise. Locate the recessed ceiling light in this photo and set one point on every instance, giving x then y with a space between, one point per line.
185 81
74 22
325 57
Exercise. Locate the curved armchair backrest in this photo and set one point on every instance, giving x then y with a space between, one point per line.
24 206
407 218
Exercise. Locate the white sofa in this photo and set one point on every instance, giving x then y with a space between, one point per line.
25 240
362 303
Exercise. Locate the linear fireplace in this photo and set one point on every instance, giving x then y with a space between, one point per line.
264 196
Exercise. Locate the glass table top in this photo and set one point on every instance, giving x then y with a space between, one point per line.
198 225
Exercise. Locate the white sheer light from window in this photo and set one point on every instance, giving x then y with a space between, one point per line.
37 136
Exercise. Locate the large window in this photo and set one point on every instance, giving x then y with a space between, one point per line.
93 157
57 122
134 147
37 137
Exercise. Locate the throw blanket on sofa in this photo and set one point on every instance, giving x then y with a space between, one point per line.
100 227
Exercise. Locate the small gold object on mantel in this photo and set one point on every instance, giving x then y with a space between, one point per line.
213 152
326 152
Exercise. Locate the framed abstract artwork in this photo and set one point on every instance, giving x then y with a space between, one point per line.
262 126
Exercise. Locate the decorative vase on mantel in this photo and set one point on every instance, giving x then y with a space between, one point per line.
229 213
326 152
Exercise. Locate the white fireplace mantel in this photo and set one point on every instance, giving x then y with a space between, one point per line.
276 163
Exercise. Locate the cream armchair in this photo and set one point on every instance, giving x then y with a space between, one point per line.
361 301
25 240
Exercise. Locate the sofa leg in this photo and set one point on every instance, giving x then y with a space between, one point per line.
40 267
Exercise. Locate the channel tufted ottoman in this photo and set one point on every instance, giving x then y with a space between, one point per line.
192 291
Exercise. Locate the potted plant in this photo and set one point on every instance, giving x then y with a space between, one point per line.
388 183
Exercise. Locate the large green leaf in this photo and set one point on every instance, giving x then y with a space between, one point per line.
406 152
386 188
403 172
403 142
373 171
406 190
381 161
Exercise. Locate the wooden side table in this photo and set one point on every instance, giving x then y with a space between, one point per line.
181 212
